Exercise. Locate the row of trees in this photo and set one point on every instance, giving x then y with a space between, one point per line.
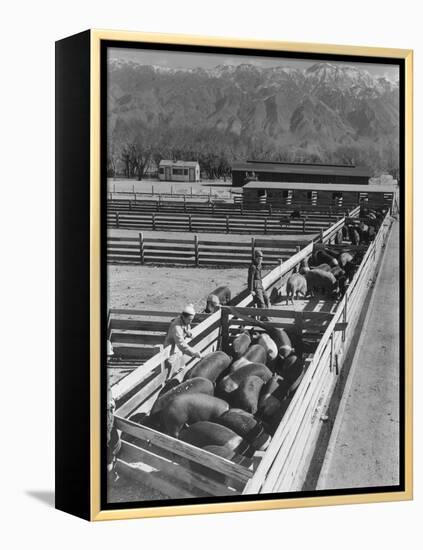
134 147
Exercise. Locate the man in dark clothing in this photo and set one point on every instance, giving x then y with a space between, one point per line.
255 283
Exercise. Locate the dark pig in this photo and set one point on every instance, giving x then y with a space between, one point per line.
278 335
232 381
323 267
223 295
189 408
205 433
344 258
255 354
321 282
291 371
337 272
247 395
322 256
354 236
246 426
211 366
194 385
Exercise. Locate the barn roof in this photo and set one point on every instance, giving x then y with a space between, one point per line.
292 168
370 188
178 163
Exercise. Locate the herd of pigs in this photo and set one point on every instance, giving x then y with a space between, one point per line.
231 402
328 272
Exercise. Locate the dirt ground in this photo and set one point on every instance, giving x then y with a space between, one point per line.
168 288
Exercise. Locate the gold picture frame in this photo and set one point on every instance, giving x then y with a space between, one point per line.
92 509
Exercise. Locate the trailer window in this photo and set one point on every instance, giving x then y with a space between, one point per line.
161 170
178 172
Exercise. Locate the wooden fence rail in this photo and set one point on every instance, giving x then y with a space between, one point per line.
197 252
212 207
217 224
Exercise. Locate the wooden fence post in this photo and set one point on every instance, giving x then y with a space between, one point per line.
117 219
253 246
241 207
114 188
227 224
191 190
304 224
153 221
270 209
196 251
152 189
265 226
345 315
225 329
321 235
189 223
133 187
185 203
299 321
141 241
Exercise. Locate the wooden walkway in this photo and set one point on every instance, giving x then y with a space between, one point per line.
363 450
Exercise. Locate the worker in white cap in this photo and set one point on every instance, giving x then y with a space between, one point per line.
179 331
255 282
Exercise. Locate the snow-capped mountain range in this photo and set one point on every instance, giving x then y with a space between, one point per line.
319 109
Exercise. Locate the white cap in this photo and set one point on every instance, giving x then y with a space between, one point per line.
189 309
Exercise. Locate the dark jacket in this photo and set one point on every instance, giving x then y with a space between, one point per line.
254 276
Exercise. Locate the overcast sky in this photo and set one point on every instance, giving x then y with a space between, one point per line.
179 60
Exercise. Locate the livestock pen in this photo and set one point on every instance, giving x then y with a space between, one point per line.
218 217
197 251
180 470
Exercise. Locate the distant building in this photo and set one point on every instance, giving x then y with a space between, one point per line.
258 194
244 172
179 170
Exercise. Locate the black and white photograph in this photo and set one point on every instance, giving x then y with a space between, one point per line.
254 309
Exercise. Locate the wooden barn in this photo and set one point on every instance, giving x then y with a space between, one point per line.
325 195
244 172
179 170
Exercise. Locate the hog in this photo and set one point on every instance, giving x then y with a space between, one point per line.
296 284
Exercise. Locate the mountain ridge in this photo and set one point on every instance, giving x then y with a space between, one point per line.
325 112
